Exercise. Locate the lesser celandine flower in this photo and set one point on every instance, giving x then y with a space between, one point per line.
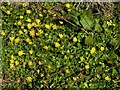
16 63
57 44
60 35
67 5
92 50
3 33
54 27
86 66
11 66
19 23
47 26
62 47
40 31
20 32
25 30
67 71
11 61
11 39
28 40
31 51
81 58
32 33
102 48
20 53
61 22
29 26
24 4
8 12
42 74
28 20
29 79
30 63
49 66
21 17
74 39
17 40
28 11
45 47
107 78
37 21
41 15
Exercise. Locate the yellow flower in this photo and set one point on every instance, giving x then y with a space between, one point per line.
32 33
107 78
67 5
8 12
54 27
28 40
40 31
29 26
82 58
57 44
28 11
102 48
19 22
62 47
42 74
67 71
3 7
24 4
60 35
20 32
41 15
86 85
31 51
40 63
50 11
92 50
17 40
47 26
54 15
11 66
37 21
11 61
30 63
16 63
11 38
29 79
113 24
25 30
61 22
49 66
69 10
87 66
22 27
45 47
21 17
12 57
20 53
75 78
74 39
3 33
28 20
31 42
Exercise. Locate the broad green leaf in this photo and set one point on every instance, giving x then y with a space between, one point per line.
89 40
86 21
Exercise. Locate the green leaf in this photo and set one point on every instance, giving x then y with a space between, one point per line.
86 21
98 28
89 40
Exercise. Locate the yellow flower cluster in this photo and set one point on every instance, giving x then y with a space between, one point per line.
92 50
102 48
17 40
110 23
28 11
45 47
57 44
20 53
32 33
31 51
28 20
107 78
67 71
28 41
47 26
3 33
29 79
60 35
82 58
86 66
30 63
74 39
